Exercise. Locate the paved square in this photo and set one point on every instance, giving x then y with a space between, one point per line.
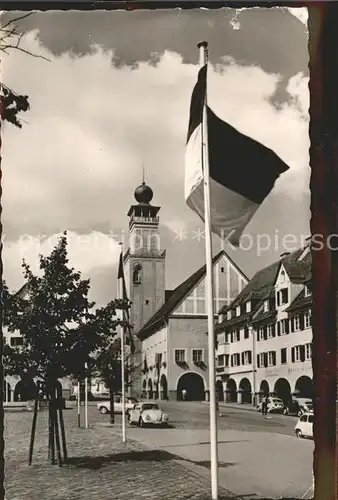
100 466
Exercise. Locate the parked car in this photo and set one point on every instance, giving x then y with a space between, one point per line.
147 413
298 406
304 426
104 406
275 405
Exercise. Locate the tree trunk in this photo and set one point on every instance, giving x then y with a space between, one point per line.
111 399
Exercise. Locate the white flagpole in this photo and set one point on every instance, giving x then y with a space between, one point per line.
78 405
203 48
120 293
86 400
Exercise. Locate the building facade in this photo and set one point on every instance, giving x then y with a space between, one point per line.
170 325
265 336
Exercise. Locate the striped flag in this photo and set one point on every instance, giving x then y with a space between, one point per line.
126 317
242 171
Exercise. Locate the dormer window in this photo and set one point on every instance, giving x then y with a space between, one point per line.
282 297
238 310
266 305
229 314
136 274
248 306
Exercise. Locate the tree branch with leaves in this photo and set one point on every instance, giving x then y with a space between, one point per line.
12 103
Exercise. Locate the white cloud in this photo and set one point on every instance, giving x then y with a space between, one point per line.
76 162
86 253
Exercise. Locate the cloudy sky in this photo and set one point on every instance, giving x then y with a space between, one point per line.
115 95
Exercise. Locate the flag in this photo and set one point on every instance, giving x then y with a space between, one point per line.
126 317
242 171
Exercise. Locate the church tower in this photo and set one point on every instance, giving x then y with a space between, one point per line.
144 269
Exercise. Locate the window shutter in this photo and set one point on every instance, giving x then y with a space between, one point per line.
278 299
278 328
287 326
273 329
257 334
265 359
258 361
265 332
293 354
274 358
242 358
232 360
238 333
301 321
292 321
302 352
249 357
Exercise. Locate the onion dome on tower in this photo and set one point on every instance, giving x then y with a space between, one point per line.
143 193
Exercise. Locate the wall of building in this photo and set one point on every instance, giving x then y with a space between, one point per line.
154 382
187 333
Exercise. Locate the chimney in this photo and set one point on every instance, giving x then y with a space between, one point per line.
282 255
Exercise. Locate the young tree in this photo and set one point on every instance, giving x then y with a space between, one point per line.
109 369
60 327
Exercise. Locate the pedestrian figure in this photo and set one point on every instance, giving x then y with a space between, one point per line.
265 406
184 394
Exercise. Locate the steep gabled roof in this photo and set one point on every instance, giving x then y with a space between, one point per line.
259 287
178 295
300 302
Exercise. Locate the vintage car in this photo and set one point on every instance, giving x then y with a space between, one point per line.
304 426
104 406
298 406
147 413
275 405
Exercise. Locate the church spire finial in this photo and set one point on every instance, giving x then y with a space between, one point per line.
143 181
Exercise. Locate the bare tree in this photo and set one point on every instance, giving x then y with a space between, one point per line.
12 103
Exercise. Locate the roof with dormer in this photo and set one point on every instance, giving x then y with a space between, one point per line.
176 296
261 288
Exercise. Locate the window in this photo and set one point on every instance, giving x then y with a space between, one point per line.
307 319
308 351
246 332
221 360
236 335
271 331
246 358
296 324
235 360
229 314
271 358
238 310
260 360
311 419
221 338
248 306
222 269
295 353
284 296
197 355
136 274
283 327
266 305
16 341
261 333
227 359
179 356
189 305
307 291
283 356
